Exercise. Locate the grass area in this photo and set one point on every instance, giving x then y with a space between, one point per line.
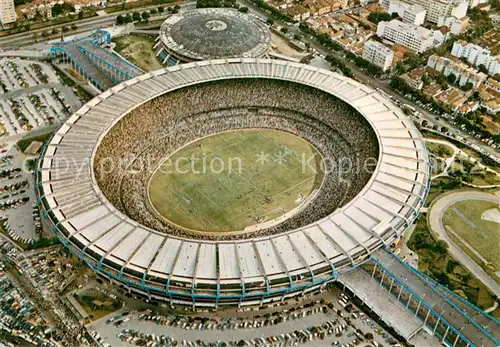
138 50
465 220
435 261
97 304
218 183
25 142
485 178
439 150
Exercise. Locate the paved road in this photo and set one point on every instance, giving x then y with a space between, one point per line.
24 39
435 221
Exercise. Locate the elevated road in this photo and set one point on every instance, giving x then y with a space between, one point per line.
472 325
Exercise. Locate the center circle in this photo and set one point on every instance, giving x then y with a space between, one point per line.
236 181
216 25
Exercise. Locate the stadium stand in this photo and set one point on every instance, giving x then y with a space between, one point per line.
99 216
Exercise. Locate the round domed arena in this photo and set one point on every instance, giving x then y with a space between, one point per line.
211 33
234 182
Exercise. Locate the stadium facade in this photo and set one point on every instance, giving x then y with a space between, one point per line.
243 272
211 33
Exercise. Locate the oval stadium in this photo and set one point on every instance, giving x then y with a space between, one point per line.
211 33
232 182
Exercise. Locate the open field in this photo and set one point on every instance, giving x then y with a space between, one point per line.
464 221
232 180
138 50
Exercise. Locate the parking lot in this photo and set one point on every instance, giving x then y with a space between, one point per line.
19 216
309 322
32 96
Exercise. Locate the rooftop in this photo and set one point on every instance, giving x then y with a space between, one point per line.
215 33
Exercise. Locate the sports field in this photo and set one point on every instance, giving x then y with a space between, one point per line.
232 180
476 225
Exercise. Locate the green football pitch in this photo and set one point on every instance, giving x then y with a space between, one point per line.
232 180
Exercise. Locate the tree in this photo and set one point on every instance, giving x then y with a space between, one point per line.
451 78
65 29
177 7
145 15
161 9
424 123
270 21
57 9
136 16
129 18
444 129
153 11
243 9
36 36
376 17
284 30
467 86
120 20
74 26
80 15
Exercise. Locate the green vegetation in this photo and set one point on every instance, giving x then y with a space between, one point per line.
97 304
435 261
138 50
439 150
62 9
376 17
43 242
215 3
25 142
273 11
465 219
220 184
339 64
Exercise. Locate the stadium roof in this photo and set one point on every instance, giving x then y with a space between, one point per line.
385 207
212 33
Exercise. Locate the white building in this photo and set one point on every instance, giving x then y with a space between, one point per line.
477 55
413 14
378 54
456 25
436 10
464 74
412 36
7 12
474 3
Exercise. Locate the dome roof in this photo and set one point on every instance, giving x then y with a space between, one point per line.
215 33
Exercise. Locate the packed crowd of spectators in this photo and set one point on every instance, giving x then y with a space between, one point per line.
131 151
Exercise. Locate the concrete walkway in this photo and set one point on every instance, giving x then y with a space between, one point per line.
435 222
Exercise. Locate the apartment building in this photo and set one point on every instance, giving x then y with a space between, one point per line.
412 36
7 12
413 14
378 54
464 74
477 55
436 10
